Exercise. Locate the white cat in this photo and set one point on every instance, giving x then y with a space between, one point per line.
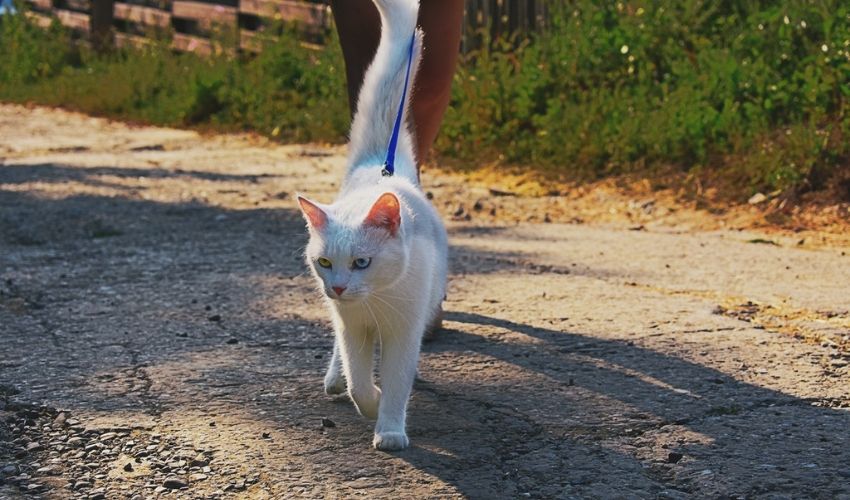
379 252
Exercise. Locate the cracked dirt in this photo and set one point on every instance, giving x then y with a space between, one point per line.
159 337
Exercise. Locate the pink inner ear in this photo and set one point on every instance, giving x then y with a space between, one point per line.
385 214
315 216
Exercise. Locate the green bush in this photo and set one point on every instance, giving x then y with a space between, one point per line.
288 90
753 92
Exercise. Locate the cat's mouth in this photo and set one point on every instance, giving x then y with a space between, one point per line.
345 298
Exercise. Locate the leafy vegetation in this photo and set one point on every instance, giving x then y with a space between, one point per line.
754 92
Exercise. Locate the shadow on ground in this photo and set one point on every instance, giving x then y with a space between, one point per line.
112 304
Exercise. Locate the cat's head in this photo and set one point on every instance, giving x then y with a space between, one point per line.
354 252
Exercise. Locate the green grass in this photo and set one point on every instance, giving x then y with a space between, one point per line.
754 93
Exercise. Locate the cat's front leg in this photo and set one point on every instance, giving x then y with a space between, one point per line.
334 381
399 357
357 350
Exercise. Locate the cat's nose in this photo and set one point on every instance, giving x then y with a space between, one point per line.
338 290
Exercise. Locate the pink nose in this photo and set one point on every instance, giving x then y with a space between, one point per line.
338 290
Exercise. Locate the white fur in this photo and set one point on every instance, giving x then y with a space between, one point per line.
390 303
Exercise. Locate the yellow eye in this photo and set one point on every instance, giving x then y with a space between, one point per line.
324 262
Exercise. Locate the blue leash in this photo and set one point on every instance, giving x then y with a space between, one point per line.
389 163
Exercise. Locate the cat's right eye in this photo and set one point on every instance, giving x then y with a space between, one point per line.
324 262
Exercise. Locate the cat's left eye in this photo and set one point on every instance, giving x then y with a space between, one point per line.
361 263
324 262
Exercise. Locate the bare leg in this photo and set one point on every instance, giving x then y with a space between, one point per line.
359 25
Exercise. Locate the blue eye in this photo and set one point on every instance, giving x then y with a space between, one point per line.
361 263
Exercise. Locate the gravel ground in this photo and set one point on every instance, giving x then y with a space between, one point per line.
159 337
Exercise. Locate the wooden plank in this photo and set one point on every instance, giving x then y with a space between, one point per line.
77 5
128 40
42 4
206 14
188 43
142 15
311 15
74 20
40 20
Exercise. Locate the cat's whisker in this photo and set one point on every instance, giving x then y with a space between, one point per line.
400 314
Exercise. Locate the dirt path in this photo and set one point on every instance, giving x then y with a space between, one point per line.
158 335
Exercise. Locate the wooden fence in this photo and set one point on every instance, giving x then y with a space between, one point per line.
190 23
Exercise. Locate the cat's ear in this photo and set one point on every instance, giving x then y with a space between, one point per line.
385 214
316 217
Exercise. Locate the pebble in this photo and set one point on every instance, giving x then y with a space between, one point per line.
174 483
128 467
200 460
197 477
81 484
326 422
34 446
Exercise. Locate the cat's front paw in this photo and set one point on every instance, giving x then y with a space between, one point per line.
334 384
390 441
367 403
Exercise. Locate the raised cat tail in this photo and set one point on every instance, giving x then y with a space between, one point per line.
380 94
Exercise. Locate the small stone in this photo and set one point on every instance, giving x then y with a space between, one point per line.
75 441
200 460
240 485
215 318
326 422
47 470
72 422
232 340
79 485
757 198
128 467
34 446
674 457
206 470
197 477
107 436
60 419
174 483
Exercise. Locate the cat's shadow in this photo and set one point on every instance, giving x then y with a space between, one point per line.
556 411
